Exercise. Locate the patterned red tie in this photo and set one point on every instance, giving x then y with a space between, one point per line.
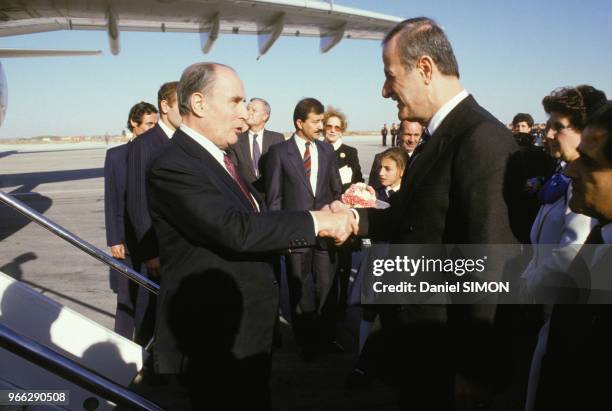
307 160
243 188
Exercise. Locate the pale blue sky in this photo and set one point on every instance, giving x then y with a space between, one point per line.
510 53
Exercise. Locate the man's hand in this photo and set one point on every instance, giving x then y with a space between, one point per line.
153 267
118 251
338 226
338 207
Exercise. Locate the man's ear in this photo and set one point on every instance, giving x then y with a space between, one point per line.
198 104
134 124
164 106
300 124
426 65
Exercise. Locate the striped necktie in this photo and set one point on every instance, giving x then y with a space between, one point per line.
307 161
243 188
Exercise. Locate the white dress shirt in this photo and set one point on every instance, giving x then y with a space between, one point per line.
314 160
169 132
259 141
394 188
214 151
443 111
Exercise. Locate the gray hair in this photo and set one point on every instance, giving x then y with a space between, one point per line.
265 104
421 36
197 78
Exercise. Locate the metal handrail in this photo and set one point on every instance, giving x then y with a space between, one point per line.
72 371
78 242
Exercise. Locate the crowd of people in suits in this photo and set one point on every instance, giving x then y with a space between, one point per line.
220 209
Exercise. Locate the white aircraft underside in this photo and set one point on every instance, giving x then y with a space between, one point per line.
268 19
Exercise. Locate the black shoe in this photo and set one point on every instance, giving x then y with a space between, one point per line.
357 380
333 347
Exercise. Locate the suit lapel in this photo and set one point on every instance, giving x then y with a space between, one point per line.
266 142
244 154
212 169
323 166
453 125
295 158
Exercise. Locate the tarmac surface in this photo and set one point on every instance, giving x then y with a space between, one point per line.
65 183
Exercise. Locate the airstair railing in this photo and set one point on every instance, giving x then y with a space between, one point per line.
78 242
69 370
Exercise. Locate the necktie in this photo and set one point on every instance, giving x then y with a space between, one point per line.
256 155
307 159
243 188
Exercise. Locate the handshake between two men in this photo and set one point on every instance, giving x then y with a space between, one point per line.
339 220
336 221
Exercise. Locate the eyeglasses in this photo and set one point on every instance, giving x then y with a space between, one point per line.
335 128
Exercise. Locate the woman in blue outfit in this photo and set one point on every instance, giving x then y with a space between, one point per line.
557 232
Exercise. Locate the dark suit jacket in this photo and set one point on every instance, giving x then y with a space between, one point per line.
242 153
530 162
288 188
143 150
575 372
453 193
205 225
374 179
114 194
381 194
347 156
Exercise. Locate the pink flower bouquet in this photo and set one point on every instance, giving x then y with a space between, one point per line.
358 196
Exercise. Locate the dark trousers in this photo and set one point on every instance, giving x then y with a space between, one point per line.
417 356
312 296
145 331
343 274
127 293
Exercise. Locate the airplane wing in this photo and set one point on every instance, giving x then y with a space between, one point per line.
268 19
46 53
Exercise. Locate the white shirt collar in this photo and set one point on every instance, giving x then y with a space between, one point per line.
215 151
259 133
606 233
337 144
208 145
166 129
394 188
301 142
443 111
